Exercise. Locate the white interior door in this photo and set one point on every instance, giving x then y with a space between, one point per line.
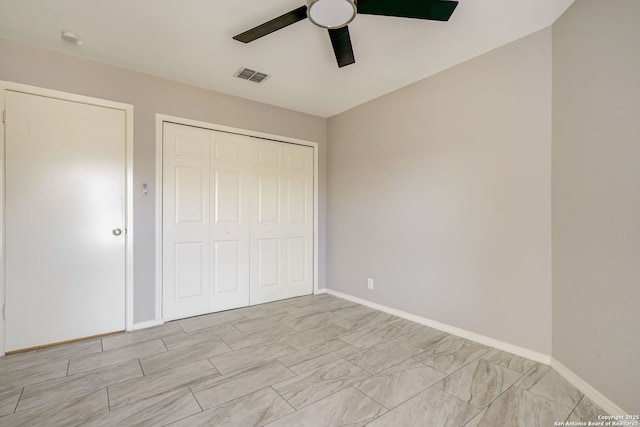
185 213
64 201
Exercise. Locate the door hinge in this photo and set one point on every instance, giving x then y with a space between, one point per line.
4 312
4 117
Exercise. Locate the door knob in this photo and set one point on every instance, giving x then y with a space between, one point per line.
117 232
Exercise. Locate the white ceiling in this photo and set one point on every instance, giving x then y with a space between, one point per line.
191 41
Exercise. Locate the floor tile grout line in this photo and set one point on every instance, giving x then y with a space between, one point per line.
369 397
465 365
346 343
380 342
283 416
506 367
498 396
18 401
528 370
39 382
224 403
545 397
427 366
472 418
392 366
376 373
180 325
283 365
375 400
552 400
237 371
319 400
574 409
473 406
214 367
165 344
282 397
406 400
536 394
328 396
195 398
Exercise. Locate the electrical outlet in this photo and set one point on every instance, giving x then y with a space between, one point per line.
370 283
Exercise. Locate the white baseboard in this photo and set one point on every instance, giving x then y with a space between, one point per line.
148 324
593 394
320 291
500 345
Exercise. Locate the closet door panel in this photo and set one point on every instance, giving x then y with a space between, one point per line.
230 183
266 225
297 228
185 221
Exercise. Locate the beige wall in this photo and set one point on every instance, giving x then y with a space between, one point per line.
150 95
596 196
440 192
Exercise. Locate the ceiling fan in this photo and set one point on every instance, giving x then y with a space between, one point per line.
335 15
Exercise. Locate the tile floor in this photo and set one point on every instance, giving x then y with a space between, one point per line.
309 361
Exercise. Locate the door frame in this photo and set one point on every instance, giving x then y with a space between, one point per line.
128 110
160 120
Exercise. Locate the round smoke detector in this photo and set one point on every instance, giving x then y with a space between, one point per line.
71 37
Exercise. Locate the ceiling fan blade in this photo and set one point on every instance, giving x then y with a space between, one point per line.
435 10
274 25
341 42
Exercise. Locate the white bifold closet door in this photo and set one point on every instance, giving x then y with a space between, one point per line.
237 221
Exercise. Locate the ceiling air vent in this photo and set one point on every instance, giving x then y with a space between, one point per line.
254 76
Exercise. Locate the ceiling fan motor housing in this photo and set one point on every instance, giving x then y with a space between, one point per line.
331 13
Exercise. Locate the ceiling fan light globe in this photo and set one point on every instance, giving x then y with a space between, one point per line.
331 13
